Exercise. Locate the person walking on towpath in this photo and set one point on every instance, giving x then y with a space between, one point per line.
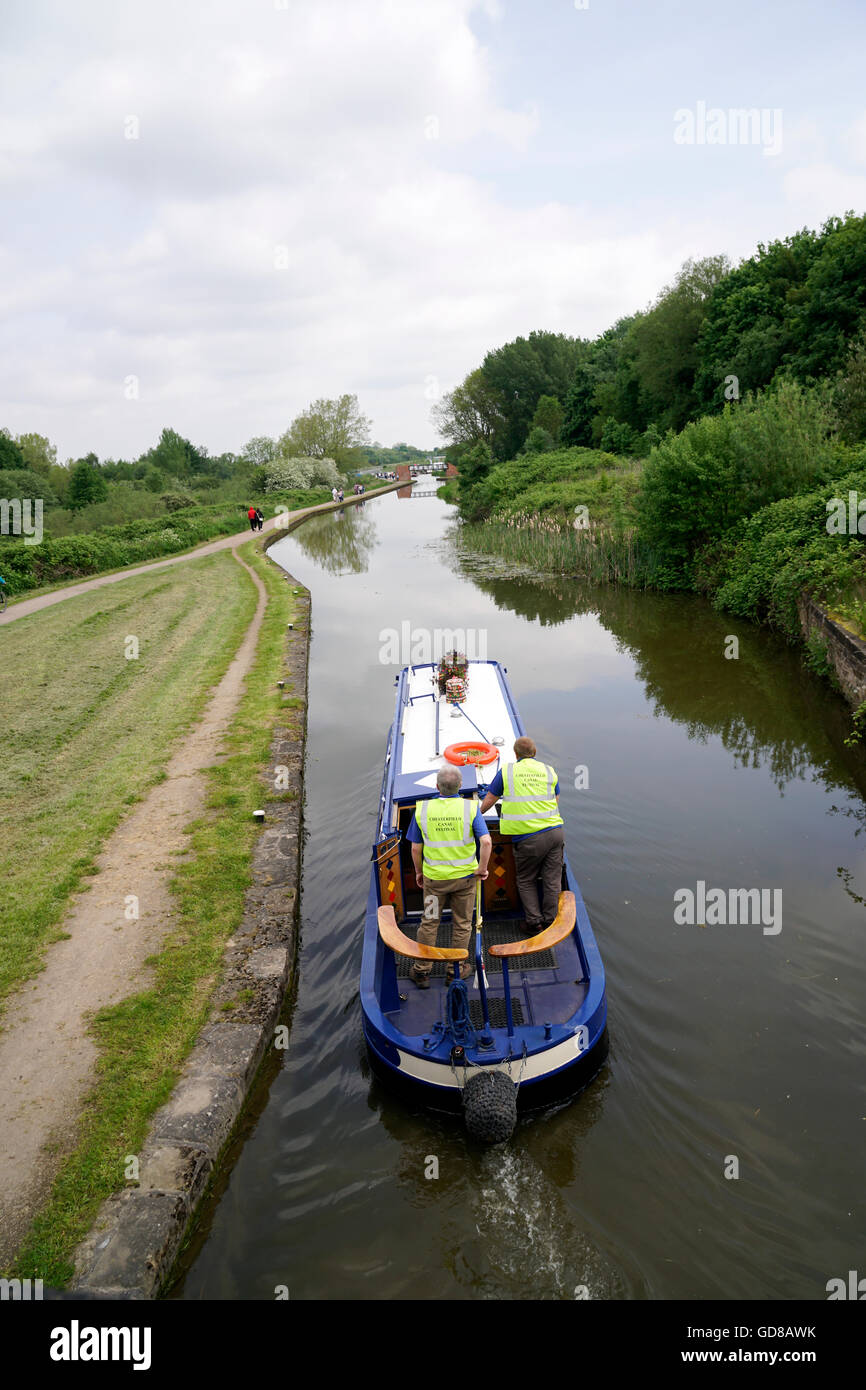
253 519
442 834
530 816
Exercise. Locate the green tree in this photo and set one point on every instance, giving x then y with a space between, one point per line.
617 437
10 455
86 484
548 416
38 452
662 351
24 482
472 412
850 394
833 308
258 451
749 328
175 456
333 429
721 468
593 393
58 481
473 467
539 441
523 371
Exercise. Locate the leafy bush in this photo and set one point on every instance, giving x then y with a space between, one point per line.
23 482
769 560
816 656
73 557
176 501
550 482
282 473
617 438
721 468
539 441
125 502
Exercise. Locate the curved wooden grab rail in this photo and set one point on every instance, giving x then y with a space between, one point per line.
561 927
405 946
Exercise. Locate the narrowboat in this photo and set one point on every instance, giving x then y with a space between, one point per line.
528 1028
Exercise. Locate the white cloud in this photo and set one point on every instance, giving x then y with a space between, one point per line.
818 191
855 139
308 129
305 129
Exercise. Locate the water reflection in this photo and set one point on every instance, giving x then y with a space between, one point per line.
794 726
339 549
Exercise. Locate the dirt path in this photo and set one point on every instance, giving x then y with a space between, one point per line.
32 605
47 1058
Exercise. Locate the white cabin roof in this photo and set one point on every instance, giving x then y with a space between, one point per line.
485 705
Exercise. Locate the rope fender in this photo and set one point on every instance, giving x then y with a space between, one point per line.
490 1106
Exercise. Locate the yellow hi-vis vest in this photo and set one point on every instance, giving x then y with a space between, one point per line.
445 823
528 798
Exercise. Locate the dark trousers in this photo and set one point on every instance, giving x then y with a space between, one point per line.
540 856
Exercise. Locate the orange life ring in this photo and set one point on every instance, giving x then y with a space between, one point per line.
462 753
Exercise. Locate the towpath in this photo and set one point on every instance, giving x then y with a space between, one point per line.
47 1055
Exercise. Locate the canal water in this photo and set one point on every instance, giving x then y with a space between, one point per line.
734 1049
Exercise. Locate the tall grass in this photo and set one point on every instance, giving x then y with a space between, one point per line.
603 554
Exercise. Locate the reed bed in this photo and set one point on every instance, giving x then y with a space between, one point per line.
602 553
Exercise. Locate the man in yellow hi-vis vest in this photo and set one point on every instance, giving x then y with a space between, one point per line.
530 815
442 834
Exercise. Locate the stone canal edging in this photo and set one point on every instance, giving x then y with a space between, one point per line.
846 650
134 1242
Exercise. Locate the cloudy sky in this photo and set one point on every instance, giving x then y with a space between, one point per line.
215 211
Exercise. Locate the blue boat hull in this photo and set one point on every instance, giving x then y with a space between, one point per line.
547 1030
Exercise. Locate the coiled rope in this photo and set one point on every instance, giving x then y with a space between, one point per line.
458 1017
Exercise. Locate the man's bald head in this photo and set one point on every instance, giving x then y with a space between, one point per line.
524 748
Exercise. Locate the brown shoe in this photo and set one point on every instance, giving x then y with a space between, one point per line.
420 978
467 970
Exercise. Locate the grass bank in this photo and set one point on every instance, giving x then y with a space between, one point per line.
144 1040
88 727
569 511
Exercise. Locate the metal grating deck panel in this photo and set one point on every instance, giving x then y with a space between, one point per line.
496 933
500 934
496 1008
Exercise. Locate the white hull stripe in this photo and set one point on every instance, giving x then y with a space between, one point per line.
537 1065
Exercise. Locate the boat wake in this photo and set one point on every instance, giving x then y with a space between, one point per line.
528 1241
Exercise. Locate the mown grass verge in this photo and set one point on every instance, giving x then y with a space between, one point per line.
144 1040
88 727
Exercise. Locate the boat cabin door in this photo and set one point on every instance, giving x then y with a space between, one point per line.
387 855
